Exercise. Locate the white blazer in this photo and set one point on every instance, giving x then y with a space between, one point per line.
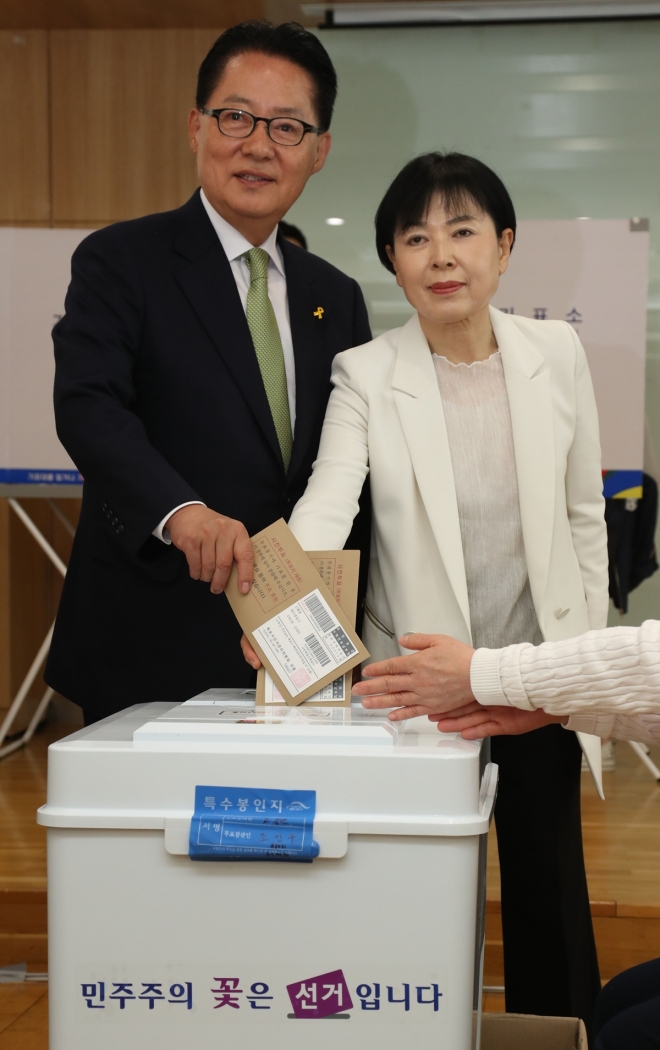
385 417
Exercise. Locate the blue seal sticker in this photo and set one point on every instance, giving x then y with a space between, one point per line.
232 823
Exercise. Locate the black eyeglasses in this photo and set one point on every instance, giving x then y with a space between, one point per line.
238 124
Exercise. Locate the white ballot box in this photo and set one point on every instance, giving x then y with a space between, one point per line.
367 940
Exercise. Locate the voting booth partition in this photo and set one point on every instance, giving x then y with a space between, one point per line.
163 932
593 274
35 269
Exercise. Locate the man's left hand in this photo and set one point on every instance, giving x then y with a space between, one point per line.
436 678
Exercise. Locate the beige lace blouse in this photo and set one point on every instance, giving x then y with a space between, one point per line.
478 421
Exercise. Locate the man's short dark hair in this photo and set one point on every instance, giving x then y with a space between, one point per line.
453 177
289 41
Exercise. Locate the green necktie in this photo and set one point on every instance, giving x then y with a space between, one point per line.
268 348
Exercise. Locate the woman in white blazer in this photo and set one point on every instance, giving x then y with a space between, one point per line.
479 433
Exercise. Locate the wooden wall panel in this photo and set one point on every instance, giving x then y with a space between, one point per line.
24 120
145 14
120 100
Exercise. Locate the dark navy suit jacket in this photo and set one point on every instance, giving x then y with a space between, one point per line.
159 400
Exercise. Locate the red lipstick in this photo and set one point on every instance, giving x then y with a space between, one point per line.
445 287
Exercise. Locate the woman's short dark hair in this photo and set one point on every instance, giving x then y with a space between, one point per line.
289 41
453 177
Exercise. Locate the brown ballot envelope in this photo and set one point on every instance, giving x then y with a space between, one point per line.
339 571
292 619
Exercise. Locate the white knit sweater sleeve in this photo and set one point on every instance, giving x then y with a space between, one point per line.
607 681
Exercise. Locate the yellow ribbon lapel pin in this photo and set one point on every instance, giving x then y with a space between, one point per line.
319 312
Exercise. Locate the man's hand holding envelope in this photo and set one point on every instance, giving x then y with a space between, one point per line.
291 620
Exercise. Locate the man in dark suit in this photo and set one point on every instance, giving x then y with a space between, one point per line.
193 366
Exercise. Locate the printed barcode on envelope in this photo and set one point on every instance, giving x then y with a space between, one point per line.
325 621
305 642
318 650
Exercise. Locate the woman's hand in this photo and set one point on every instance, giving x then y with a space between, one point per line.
249 654
474 722
434 679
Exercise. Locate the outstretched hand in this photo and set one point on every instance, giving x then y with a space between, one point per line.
435 678
475 722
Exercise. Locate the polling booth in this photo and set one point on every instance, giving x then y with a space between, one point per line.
221 874
35 269
593 274
30 453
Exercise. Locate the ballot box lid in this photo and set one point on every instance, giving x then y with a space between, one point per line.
204 721
140 767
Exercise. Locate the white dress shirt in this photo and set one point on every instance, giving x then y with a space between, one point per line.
235 246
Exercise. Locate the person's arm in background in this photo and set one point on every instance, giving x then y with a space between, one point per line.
96 347
604 682
584 494
598 674
607 683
